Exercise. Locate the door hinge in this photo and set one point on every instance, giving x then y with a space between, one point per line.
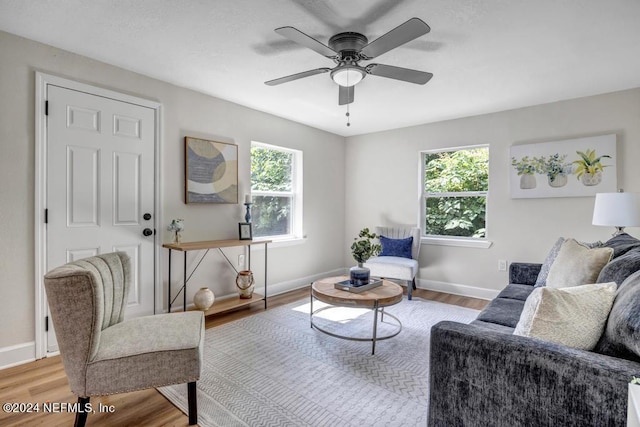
46 108
46 324
46 216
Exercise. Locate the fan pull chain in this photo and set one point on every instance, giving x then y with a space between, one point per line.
348 120
349 89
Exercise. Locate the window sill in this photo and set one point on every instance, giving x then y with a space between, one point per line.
459 242
279 242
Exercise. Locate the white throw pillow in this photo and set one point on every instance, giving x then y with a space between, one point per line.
574 316
577 265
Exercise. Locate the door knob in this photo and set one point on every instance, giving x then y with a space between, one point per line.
146 216
147 232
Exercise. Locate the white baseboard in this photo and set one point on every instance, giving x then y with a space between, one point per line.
456 289
17 354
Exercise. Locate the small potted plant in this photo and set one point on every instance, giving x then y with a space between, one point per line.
362 249
589 168
177 225
526 168
555 168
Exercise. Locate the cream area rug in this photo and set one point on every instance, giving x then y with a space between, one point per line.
273 369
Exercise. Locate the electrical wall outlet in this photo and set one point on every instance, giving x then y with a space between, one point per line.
502 265
241 260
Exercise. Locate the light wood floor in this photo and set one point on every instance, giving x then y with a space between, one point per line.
44 380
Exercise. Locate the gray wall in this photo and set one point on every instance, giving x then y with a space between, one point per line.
382 184
185 113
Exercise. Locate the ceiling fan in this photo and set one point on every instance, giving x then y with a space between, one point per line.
348 49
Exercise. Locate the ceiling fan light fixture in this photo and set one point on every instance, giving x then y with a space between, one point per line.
348 48
347 76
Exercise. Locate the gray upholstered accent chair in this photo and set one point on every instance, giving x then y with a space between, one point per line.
101 353
395 267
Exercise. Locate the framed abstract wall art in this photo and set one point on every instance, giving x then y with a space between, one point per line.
211 171
568 168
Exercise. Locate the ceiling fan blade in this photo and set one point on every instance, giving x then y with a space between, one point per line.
345 96
400 35
398 73
377 11
306 41
297 76
324 13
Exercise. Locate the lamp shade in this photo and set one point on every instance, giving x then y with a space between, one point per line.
617 209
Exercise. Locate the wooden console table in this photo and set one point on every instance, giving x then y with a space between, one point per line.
224 305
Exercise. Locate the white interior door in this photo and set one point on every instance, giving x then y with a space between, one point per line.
100 187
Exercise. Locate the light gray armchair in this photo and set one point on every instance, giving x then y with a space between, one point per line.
101 353
397 267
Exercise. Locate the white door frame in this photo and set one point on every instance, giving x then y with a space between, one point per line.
42 81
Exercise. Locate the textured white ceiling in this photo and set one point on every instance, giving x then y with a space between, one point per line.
486 56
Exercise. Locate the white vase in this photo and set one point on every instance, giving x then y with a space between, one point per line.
591 179
203 299
557 181
527 181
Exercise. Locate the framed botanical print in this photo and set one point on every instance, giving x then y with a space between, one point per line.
211 171
577 167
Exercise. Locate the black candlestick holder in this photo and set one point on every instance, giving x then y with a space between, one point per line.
247 215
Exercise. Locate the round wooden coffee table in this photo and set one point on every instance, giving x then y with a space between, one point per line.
376 299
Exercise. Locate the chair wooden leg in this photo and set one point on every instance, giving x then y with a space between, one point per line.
413 283
81 415
193 403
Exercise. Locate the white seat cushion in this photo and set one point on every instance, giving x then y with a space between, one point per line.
146 352
393 267
139 335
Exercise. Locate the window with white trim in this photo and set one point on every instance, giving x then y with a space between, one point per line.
455 186
276 191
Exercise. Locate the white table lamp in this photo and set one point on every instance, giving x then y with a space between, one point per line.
617 210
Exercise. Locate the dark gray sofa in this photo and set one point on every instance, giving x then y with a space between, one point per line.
483 375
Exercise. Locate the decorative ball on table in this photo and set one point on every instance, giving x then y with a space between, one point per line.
203 299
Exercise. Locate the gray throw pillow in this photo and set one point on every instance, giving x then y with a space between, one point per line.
622 243
548 261
618 269
621 336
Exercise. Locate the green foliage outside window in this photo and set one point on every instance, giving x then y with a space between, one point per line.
271 172
270 169
459 174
